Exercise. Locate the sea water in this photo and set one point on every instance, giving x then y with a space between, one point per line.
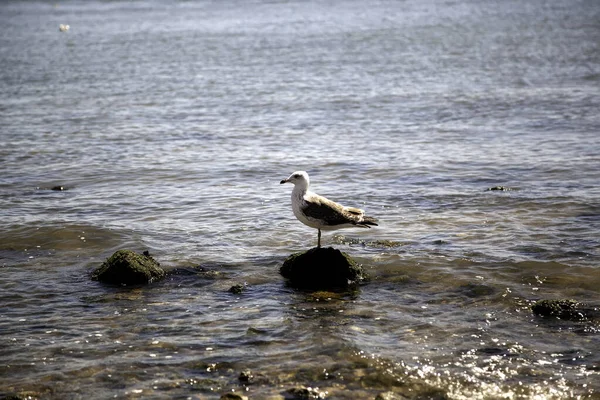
169 124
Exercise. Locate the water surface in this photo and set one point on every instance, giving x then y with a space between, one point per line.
170 124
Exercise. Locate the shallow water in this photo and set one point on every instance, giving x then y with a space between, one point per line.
170 125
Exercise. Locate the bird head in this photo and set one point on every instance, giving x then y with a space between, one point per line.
298 177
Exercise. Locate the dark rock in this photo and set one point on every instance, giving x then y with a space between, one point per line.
128 268
246 376
233 396
304 393
322 268
237 288
11 397
565 309
500 188
56 188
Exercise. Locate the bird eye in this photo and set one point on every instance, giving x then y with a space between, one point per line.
296 175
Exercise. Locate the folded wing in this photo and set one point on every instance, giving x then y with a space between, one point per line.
333 214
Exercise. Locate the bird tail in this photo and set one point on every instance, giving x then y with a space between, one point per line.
366 221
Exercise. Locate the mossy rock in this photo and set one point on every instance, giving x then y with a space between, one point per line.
564 309
126 267
322 268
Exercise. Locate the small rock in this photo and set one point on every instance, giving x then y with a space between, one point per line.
322 268
58 188
233 396
126 267
304 393
564 309
237 289
500 188
246 376
12 397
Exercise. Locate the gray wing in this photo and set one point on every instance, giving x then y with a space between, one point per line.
330 212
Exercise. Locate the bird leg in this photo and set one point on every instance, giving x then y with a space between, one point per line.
319 239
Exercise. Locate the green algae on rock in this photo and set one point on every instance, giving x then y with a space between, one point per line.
126 267
322 268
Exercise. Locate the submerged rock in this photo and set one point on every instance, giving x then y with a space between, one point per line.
565 309
128 268
12 397
500 188
304 393
57 188
233 396
238 288
322 268
246 376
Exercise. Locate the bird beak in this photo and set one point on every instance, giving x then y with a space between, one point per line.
283 181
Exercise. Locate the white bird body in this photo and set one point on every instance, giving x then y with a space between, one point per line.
321 213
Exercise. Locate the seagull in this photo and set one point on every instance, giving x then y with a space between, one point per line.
321 213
